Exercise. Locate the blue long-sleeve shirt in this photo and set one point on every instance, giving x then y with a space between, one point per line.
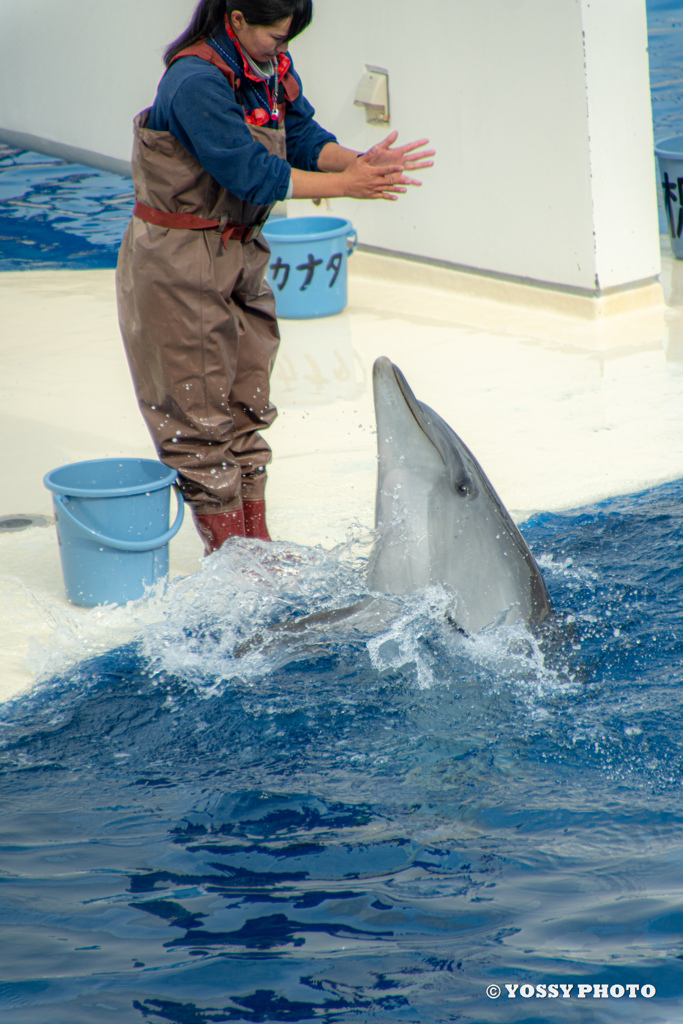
197 105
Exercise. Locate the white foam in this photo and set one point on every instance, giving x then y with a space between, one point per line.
234 621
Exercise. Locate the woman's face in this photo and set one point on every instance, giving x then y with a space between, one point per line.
262 42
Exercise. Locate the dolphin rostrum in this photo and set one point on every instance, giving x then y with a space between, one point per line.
439 520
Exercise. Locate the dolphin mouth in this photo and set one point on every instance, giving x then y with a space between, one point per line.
387 373
384 371
408 396
388 377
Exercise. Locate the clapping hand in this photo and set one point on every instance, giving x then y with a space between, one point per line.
405 157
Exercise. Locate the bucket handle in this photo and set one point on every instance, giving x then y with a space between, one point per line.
124 545
351 242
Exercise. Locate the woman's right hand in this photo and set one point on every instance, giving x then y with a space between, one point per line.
360 180
357 178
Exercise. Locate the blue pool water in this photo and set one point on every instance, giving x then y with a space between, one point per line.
55 215
665 36
223 821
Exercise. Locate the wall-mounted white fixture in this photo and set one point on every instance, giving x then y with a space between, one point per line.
373 94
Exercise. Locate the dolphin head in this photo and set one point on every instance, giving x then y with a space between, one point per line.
439 521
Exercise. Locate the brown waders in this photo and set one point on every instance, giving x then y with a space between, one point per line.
199 327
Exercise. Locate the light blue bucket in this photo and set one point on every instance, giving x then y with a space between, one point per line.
112 526
307 269
669 153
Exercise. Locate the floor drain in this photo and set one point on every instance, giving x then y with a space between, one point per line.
12 524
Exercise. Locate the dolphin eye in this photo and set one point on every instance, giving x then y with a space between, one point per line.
463 489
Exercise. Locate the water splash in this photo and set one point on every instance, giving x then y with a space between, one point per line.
374 816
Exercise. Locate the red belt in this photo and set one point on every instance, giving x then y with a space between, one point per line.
165 219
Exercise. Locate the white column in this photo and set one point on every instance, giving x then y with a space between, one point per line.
620 141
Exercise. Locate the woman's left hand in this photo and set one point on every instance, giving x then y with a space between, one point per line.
404 156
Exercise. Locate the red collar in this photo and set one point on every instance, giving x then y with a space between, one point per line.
283 61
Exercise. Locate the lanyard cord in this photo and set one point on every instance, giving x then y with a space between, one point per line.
270 103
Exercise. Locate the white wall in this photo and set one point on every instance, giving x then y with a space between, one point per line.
539 110
77 71
545 167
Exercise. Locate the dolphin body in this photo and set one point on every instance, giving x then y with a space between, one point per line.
439 520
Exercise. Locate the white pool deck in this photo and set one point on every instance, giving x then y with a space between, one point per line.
560 411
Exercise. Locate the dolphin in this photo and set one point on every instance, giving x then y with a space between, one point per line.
439 521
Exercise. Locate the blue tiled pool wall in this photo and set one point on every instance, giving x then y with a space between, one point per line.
56 215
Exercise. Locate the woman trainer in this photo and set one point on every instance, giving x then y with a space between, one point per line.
230 133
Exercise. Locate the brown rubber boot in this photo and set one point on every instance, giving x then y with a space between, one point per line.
217 528
255 520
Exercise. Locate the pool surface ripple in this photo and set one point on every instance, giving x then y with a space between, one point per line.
222 821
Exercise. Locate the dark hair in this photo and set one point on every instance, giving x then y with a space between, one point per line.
210 14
